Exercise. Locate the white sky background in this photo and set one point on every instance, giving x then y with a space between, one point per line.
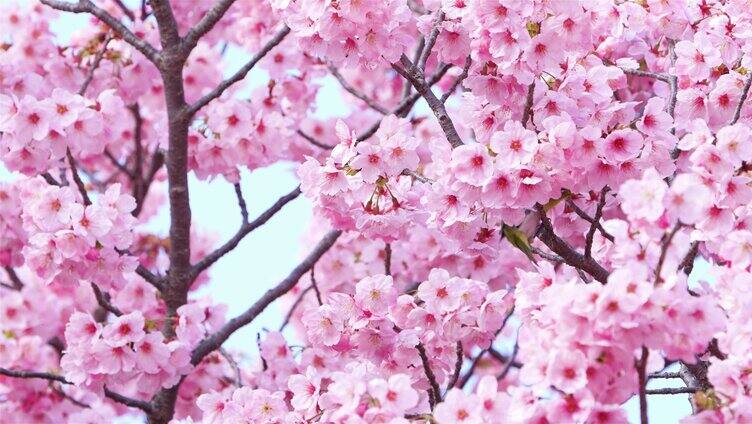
269 253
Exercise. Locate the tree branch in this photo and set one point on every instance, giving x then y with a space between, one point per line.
206 24
245 229
430 40
582 214
742 98
354 91
404 107
415 77
294 306
528 110
641 364
214 341
434 393
240 74
457 81
94 66
670 391
86 6
571 257
595 223
144 406
457 366
16 282
103 301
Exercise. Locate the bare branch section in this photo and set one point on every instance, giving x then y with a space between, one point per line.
134 403
528 104
671 391
244 230
240 74
214 341
15 280
355 92
415 77
86 6
582 214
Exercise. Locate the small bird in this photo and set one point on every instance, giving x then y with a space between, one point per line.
520 235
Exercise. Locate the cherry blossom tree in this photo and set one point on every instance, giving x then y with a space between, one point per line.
505 221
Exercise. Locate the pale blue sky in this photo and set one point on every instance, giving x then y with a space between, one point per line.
269 253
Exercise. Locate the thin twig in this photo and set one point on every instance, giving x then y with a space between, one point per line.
234 365
665 375
103 300
457 367
582 214
742 99
509 364
241 203
596 222
457 81
664 250
86 6
294 306
94 66
406 105
430 40
314 141
435 392
571 257
205 25
315 285
77 177
240 74
244 230
354 91
671 391
144 406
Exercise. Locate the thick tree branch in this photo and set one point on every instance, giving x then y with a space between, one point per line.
214 341
245 229
86 6
240 74
571 257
